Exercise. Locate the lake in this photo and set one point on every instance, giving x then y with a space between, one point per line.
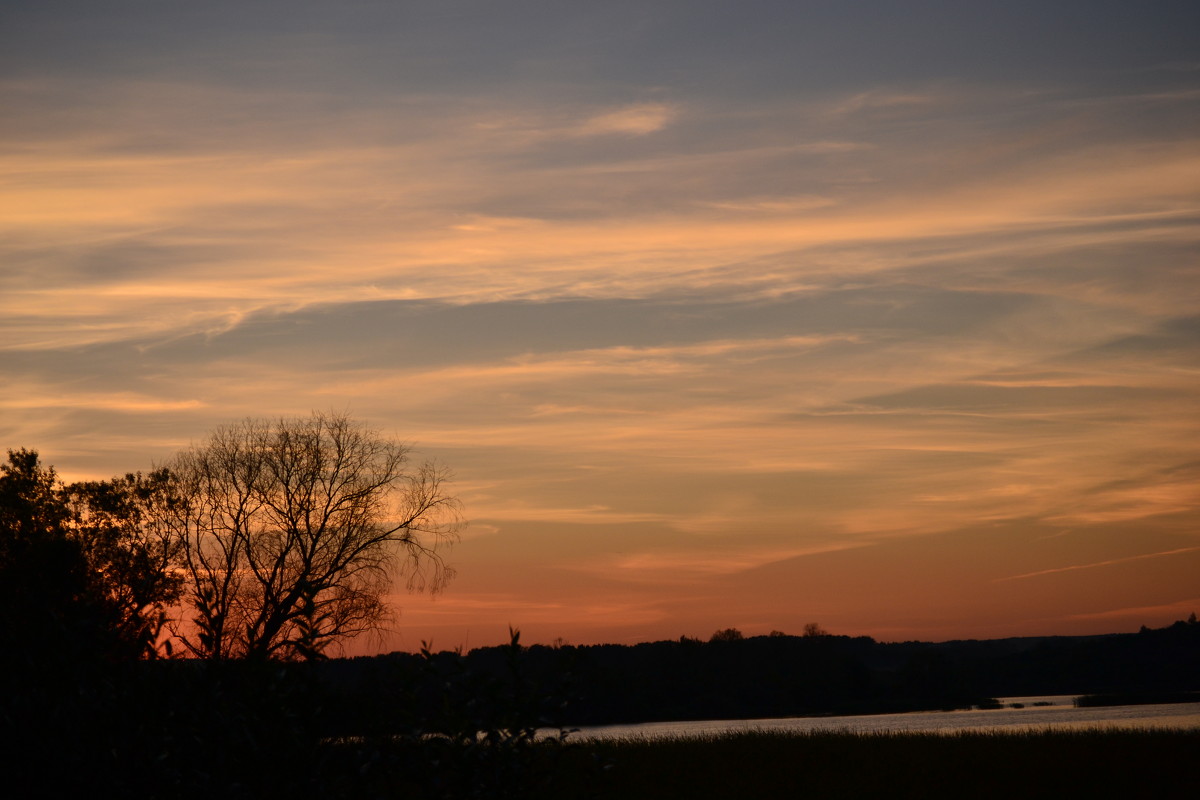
1059 713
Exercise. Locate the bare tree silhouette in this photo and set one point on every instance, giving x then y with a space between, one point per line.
292 529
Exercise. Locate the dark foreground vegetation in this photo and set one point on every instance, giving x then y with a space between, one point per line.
1056 764
261 729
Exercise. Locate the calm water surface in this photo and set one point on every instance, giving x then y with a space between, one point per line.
1061 713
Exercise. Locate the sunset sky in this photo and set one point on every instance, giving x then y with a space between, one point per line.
881 315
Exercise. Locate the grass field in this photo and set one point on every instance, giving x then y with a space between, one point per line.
1060 764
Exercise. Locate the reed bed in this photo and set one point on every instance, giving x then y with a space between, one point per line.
1049 763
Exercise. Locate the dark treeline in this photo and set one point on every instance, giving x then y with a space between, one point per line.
779 675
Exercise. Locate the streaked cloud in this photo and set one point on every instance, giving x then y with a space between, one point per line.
701 304
1107 563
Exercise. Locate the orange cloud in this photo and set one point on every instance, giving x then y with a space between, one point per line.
637 120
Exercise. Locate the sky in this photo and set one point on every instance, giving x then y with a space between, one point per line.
880 315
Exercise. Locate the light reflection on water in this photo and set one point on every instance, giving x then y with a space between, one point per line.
1061 713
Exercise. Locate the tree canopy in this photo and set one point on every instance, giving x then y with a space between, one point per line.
268 539
85 567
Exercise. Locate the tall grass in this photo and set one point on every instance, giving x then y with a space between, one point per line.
1055 763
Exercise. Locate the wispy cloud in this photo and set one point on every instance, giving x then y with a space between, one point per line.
817 292
1108 563
634 120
